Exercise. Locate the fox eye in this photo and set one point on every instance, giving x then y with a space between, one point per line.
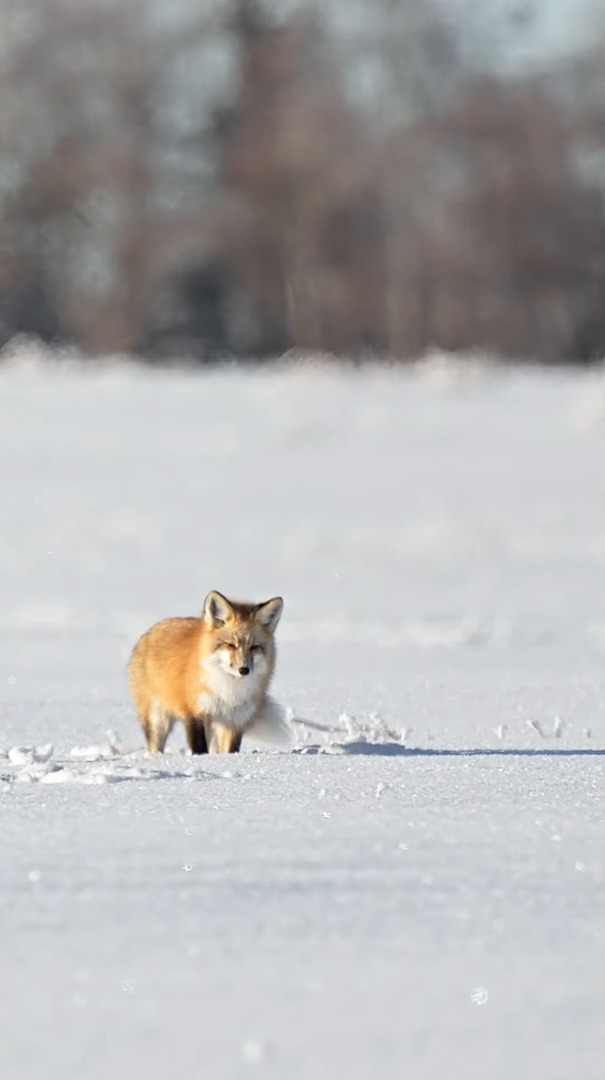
257 649
229 645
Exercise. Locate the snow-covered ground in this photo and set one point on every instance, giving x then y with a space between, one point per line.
416 888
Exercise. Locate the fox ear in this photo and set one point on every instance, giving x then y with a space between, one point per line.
217 609
269 613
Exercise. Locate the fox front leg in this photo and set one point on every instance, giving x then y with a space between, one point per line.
195 730
222 739
157 725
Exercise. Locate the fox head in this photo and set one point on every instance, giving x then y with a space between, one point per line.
241 635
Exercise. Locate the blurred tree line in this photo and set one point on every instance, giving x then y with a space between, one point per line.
219 179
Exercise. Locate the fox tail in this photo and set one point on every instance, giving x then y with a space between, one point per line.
270 725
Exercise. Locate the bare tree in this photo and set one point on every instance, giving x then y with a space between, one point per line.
83 154
291 161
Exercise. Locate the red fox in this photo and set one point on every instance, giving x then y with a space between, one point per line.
211 673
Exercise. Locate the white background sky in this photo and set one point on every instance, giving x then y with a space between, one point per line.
528 33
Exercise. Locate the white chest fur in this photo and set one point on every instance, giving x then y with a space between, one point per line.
230 699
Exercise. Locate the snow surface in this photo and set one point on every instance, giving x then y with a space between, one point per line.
416 887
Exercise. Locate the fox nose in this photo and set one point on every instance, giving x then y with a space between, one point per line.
244 671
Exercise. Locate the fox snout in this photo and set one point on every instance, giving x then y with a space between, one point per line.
239 662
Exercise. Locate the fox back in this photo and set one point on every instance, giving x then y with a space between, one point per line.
212 673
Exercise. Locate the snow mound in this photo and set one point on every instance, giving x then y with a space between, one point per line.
103 763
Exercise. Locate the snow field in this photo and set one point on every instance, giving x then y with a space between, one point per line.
415 887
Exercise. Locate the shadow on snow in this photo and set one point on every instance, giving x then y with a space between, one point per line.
397 750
